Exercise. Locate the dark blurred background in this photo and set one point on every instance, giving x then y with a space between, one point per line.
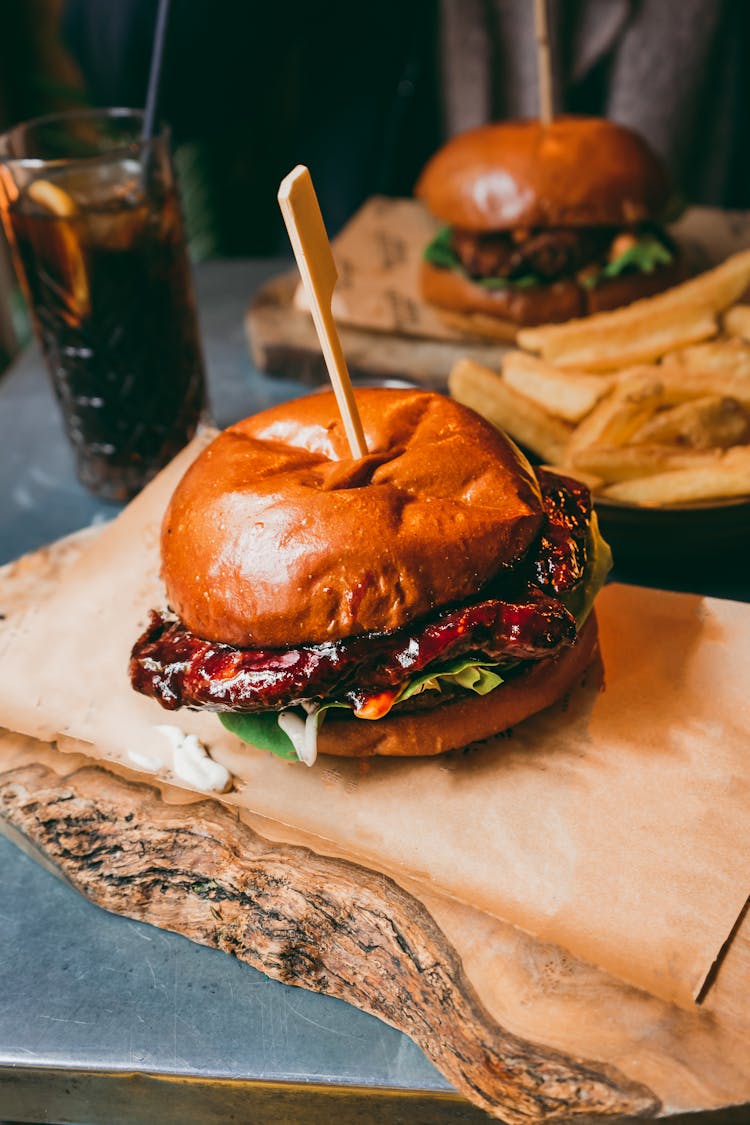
363 93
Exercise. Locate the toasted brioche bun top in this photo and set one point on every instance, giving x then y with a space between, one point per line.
576 171
276 537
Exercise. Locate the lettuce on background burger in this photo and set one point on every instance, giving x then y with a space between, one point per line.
424 597
546 222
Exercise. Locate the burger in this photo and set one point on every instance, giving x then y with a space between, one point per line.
544 222
426 596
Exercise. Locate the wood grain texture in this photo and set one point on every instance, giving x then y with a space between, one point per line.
283 342
303 919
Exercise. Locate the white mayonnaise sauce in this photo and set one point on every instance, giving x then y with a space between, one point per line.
302 733
145 761
192 762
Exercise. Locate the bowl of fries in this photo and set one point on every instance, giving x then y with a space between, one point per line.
648 404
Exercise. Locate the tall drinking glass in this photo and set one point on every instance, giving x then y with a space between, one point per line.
92 215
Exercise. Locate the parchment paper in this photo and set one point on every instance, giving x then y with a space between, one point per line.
614 825
378 255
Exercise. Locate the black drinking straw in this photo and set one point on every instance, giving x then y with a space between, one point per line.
157 51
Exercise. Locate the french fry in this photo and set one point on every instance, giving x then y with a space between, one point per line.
615 419
486 392
736 321
681 385
611 463
727 478
567 394
648 404
702 423
637 371
731 356
630 343
645 329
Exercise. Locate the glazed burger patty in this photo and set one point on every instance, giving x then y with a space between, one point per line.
547 254
182 670
179 669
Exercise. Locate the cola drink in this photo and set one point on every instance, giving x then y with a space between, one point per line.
101 254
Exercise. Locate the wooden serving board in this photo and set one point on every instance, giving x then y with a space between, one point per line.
283 342
522 1029
387 330
423 964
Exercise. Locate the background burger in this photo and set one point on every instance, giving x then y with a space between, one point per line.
546 222
426 596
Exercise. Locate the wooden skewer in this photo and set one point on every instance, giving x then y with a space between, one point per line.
544 62
307 234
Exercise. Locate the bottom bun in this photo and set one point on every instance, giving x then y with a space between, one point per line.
470 718
617 291
497 314
539 304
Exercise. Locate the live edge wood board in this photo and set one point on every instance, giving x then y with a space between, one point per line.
334 927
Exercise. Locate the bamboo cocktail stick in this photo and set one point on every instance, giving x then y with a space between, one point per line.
307 234
544 62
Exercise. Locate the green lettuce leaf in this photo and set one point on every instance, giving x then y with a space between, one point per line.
467 672
262 728
645 256
440 253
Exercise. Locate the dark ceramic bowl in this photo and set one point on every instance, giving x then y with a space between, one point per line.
700 548
679 533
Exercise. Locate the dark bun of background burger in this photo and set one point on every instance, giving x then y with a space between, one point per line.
535 211
577 171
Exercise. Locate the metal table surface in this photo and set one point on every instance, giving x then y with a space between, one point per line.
106 1020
